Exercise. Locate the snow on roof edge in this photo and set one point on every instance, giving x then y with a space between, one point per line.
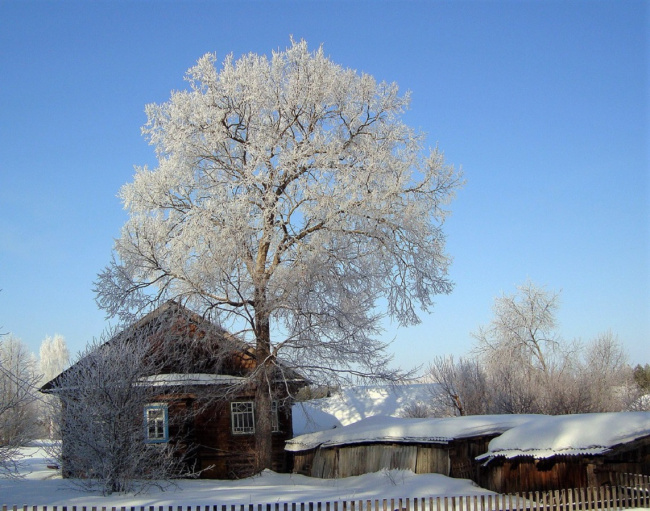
570 435
541 453
292 446
382 429
176 379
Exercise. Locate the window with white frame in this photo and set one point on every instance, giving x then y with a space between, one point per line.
242 417
156 422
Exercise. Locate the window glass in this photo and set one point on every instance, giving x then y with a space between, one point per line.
242 417
156 423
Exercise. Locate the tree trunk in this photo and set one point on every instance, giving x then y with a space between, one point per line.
263 399
263 428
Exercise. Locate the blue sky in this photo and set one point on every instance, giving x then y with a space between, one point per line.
545 106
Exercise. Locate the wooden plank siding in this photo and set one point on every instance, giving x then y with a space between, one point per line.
352 460
523 473
455 458
458 459
220 454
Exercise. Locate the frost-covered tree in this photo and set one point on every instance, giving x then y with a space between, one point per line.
461 387
54 357
102 398
523 326
605 375
520 347
289 197
18 414
531 369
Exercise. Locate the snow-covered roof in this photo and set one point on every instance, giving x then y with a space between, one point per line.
179 379
398 430
566 435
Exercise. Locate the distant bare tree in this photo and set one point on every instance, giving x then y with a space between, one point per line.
606 373
523 328
17 400
462 387
54 357
418 410
530 369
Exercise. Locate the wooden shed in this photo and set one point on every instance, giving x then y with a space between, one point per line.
563 452
200 397
443 446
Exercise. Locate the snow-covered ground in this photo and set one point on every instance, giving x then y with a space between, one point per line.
43 486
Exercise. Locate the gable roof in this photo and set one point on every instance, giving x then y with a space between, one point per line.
214 356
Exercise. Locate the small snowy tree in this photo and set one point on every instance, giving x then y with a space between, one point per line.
606 375
461 387
103 398
54 358
18 415
289 197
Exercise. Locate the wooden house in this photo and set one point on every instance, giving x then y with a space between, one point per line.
570 451
444 446
200 393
